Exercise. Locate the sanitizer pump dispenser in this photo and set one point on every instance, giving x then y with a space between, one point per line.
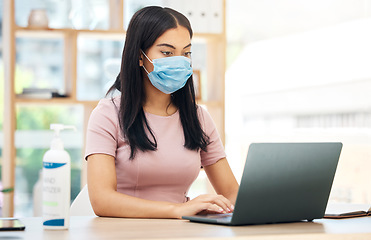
56 182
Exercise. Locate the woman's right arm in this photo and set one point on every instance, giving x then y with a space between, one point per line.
107 202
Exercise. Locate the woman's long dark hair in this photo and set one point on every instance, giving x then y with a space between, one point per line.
144 28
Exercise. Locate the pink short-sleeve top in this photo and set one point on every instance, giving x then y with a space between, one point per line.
165 174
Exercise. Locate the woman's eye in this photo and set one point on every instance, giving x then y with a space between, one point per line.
187 54
167 53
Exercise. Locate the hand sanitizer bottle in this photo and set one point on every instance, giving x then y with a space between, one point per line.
56 182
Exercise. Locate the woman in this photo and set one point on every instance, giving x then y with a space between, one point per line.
145 147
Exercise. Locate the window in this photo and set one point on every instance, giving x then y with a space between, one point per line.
39 63
99 63
300 71
82 14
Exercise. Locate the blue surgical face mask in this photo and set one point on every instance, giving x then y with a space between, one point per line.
169 73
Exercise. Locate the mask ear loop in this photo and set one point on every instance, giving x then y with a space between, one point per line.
147 59
145 69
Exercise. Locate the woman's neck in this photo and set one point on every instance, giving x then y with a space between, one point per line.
158 103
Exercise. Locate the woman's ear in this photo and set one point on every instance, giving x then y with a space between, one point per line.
141 60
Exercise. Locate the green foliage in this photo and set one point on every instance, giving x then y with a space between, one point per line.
30 160
34 117
23 78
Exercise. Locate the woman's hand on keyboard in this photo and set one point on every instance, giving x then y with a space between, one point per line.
207 203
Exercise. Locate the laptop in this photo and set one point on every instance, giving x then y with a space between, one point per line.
282 182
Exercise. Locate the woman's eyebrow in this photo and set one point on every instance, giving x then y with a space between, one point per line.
188 46
171 46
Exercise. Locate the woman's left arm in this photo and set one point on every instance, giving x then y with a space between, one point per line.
222 179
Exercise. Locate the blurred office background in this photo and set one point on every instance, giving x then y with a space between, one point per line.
297 70
301 71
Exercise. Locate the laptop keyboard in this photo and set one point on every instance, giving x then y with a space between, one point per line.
219 216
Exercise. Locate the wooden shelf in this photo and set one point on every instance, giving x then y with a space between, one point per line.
51 33
25 100
67 30
55 32
66 100
211 103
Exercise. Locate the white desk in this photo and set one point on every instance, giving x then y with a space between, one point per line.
92 228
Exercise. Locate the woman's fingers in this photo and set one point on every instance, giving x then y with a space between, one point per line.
208 203
214 208
220 203
226 206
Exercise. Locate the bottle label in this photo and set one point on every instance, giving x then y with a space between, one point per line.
54 222
56 193
51 165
